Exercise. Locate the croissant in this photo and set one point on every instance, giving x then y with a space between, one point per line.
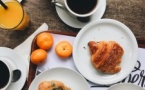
106 56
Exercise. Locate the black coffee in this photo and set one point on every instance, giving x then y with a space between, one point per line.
4 74
82 6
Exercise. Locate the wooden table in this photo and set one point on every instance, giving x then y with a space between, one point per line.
130 12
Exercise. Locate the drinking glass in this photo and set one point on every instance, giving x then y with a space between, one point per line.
14 16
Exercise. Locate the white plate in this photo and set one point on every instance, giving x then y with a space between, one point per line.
105 29
125 86
73 22
20 64
69 77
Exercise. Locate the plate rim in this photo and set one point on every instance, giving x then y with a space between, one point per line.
54 68
98 22
118 84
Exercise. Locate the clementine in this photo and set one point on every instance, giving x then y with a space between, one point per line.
44 40
63 49
38 56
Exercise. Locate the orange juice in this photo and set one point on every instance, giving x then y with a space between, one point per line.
14 17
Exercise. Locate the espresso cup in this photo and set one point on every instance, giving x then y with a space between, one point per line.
79 8
6 72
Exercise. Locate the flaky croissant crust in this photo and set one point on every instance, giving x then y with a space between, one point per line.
106 56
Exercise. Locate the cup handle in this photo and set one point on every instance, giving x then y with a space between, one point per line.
16 75
59 3
84 19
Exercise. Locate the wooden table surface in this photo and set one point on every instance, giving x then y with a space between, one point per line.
129 12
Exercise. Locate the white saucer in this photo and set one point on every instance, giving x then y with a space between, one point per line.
73 22
20 64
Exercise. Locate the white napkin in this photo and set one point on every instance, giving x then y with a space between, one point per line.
24 48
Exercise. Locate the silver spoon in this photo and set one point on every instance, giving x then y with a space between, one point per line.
16 75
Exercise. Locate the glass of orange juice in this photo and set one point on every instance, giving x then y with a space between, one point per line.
13 17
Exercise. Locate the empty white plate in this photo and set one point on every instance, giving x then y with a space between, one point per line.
125 86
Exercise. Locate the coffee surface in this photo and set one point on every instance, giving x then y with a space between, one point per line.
82 6
4 74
